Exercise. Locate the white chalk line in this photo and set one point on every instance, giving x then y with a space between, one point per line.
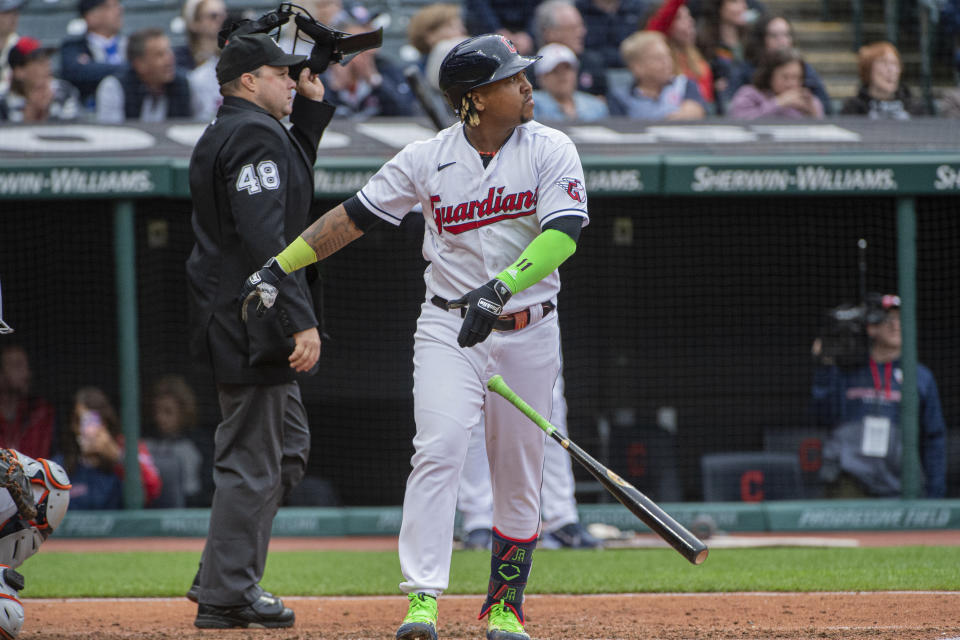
533 596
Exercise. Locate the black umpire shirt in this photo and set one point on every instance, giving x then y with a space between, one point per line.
251 181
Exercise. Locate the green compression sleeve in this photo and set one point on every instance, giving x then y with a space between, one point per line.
541 257
297 255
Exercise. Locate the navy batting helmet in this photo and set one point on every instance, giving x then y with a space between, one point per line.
478 61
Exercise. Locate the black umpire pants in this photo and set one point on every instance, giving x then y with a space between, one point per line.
260 454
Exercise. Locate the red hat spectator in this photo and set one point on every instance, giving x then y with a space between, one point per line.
27 49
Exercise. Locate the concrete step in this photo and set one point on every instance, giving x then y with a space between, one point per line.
834 62
814 35
841 87
796 9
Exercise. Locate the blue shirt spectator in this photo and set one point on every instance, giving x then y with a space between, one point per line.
558 98
100 52
657 92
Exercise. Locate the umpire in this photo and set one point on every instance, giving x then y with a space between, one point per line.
251 180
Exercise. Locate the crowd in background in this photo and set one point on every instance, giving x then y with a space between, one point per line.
670 60
87 438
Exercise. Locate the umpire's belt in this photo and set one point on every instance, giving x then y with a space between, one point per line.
510 321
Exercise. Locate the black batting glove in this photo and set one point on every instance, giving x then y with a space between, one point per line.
484 306
263 286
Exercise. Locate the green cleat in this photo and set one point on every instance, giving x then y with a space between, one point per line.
502 624
420 622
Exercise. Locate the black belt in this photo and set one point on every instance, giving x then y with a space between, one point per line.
508 322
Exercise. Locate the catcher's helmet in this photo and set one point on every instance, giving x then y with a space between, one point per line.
479 61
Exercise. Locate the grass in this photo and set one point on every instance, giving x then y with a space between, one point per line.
148 574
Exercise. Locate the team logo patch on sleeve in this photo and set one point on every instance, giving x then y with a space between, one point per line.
574 188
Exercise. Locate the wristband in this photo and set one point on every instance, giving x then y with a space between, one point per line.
297 255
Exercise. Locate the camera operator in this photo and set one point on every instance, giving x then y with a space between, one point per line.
251 181
857 391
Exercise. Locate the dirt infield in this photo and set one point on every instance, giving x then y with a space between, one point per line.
846 616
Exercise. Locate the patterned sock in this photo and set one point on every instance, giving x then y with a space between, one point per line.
510 562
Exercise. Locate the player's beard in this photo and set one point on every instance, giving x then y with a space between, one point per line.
526 113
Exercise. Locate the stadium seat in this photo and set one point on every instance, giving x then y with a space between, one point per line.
750 476
640 451
171 471
806 443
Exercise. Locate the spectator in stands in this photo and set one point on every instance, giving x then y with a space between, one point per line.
432 32
9 18
432 24
770 33
35 95
93 455
674 20
174 413
657 93
558 98
203 20
950 31
723 25
609 22
431 73
201 54
881 95
368 85
26 419
778 90
950 104
859 399
559 21
86 60
510 18
151 89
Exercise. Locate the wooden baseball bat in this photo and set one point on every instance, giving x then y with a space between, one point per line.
687 544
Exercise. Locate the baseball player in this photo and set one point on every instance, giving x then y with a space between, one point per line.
34 496
504 202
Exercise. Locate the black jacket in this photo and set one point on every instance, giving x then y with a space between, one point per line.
901 107
78 67
135 92
251 181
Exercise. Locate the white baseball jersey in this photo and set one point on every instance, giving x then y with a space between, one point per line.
535 177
